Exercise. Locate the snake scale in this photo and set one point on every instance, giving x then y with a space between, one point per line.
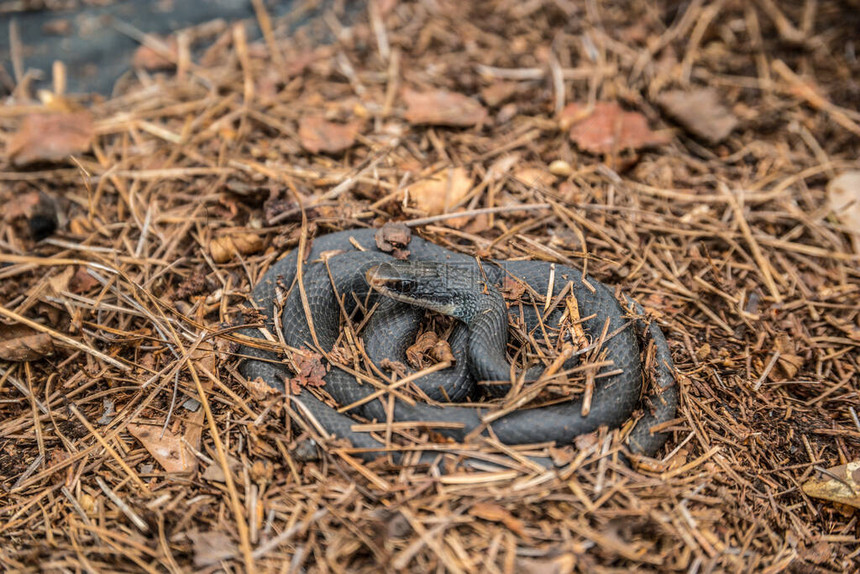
350 255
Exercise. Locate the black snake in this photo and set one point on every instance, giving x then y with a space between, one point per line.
338 284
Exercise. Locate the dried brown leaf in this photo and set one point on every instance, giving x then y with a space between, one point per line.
608 128
165 447
311 372
701 112
211 547
23 343
843 195
393 237
51 137
223 248
840 484
442 108
496 513
537 177
438 193
320 135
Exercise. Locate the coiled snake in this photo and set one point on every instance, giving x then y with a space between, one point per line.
438 278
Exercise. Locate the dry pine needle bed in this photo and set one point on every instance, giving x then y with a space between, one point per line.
701 155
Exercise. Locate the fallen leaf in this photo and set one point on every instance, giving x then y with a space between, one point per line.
394 367
261 390
23 343
513 289
145 58
442 108
225 247
442 190
558 565
608 128
840 484
701 112
51 137
417 353
320 135
34 214
311 372
82 281
499 92
166 447
843 195
211 547
393 238
536 177
215 472
496 513
60 282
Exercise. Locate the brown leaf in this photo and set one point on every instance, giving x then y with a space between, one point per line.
260 389
496 513
416 353
513 289
438 193
442 108
841 484
608 128
534 177
23 343
215 472
225 247
320 135
395 367
843 196
51 137
311 372
558 565
498 92
211 547
146 58
393 237
166 448
701 112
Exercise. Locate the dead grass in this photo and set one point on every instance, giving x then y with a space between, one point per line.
731 245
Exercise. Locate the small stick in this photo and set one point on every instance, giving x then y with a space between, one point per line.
474 212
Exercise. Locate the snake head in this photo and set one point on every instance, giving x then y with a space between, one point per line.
421 283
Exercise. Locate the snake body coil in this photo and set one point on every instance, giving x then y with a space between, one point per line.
475 345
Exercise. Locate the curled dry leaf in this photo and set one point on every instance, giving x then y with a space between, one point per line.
166 447
701 112
608 128
33 214
395 367
310 372
392 238
499 92
320 135
23 343
843 195
51 137
211 547
496 513
442 108
840 484
442 190
536 177
429 345
225 247
260 390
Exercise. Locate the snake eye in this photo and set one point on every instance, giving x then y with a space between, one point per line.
399 285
